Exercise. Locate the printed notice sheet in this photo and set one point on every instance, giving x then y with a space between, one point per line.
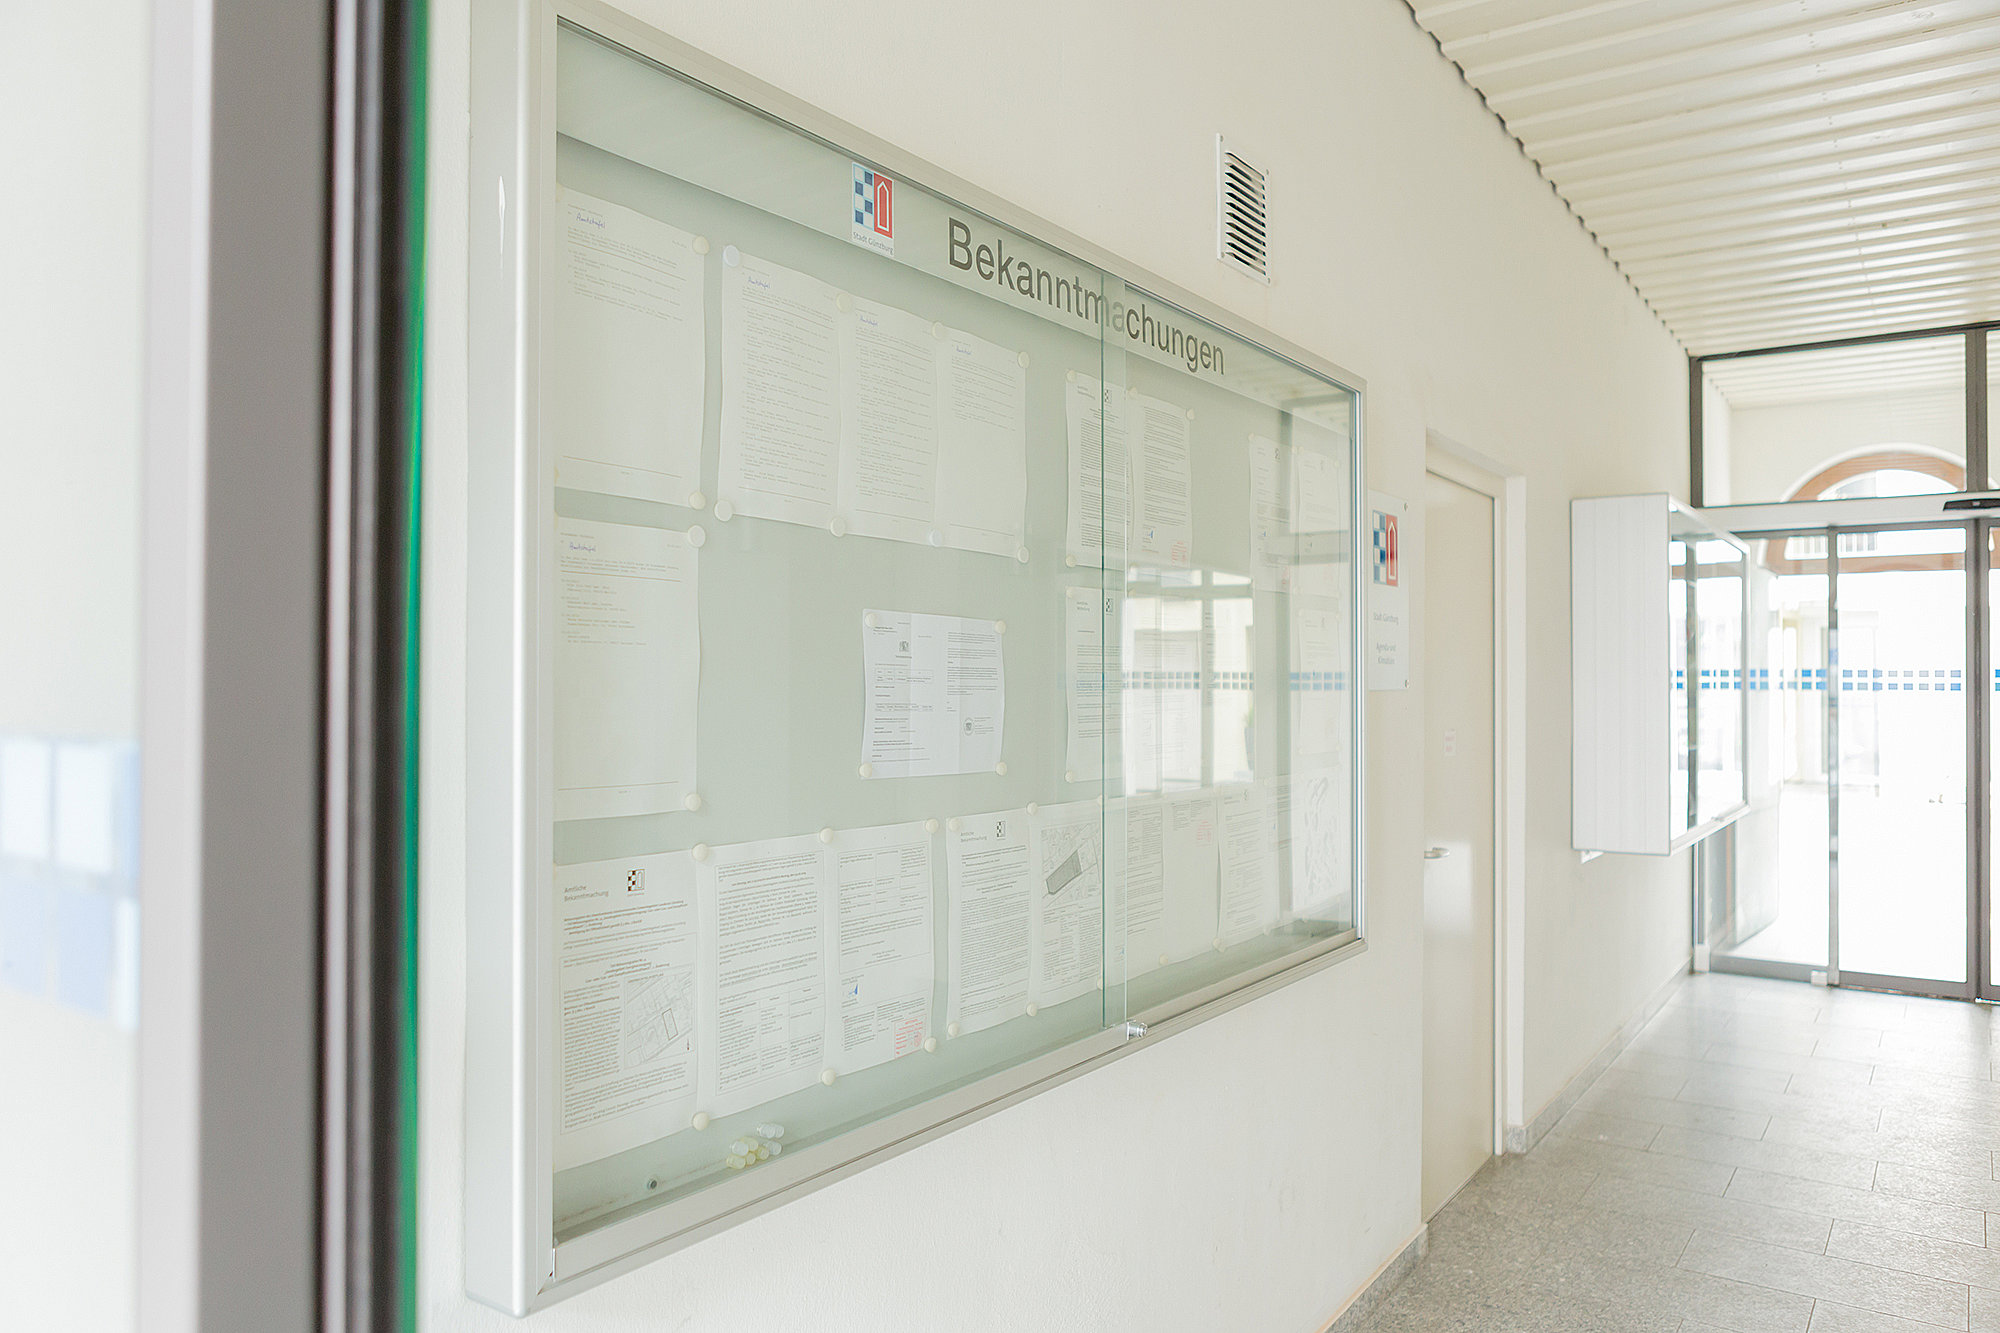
1249 864
1068 898
878 922
934 694
625 1004
990 888
1091 678
1144 886
1273 549
780 393
629 353
1162 482
1191 844
846 413
1319 846
763 1011
1099 473
628 669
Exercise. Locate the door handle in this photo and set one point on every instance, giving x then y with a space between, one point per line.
1436 853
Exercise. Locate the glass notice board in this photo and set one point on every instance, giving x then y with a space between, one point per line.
931 666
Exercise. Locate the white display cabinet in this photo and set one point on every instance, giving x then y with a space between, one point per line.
1658 606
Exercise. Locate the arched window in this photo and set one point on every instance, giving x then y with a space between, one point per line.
1877 473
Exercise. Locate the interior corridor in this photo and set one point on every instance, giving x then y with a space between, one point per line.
1766 1157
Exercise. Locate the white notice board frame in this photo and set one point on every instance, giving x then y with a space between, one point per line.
515 1260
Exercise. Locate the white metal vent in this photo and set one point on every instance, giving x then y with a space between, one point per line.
1242 213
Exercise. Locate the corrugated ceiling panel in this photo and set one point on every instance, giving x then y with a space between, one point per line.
1766 173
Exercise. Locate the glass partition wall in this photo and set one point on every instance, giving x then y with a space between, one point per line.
1853 859
943 671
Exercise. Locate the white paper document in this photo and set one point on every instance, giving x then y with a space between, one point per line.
1191 845
781 393
1162 466
625 1004
627 669
1091 681
1249 905
989 933
1320 697
889 423
763 986
934 694
847 413
878 923
1141 925
630 352
1273 547
982 486
1319 846
1068 898
1100 508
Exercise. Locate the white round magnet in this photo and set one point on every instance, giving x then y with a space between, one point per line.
937 329
930 1045
697 536
999 627
870 619
1023 359
930 826
696 500
1033 1009
866 770
700 1120
700 245
1021 554
724 511
1069 560
692 800
838 527
826 834
843 303
1072 377
1001 768
951 1029
699 851
954 823
731 256
936 537
827 1076
1033 806
1163 960
1069 775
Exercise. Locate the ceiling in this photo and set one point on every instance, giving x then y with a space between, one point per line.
1765 171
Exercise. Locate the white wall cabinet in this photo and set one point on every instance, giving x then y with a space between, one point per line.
1658 607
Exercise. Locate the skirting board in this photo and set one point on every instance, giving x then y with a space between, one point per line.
1381 1286
1523 1138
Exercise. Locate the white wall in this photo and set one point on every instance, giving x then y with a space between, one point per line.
1413 244
1773 449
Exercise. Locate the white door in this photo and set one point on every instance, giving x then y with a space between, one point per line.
1458 837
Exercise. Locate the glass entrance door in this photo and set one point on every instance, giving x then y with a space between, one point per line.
1853 862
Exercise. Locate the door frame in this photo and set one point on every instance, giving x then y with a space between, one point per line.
1923 515
1508 489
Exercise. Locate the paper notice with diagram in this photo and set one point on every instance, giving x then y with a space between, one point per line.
1068 901
625 1017
630 353
627 669
934 694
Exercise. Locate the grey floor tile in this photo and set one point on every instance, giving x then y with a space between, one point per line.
1784 1159
1974 1265
1857 1113
1830 1317
1937 1186
1752 1057
1638 1083
1920 1216
1606 1129
1864 1286
1985 1311
1914 1143
1641 1285
1736 1217
1609 1159
1728 1078
1689 1114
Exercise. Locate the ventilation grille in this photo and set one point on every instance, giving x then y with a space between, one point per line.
1242 196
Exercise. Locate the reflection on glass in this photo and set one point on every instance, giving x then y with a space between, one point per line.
1679 816
1719 781
1902 754
1835 423
1767 897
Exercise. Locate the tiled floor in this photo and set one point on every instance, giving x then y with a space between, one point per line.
1766 1156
